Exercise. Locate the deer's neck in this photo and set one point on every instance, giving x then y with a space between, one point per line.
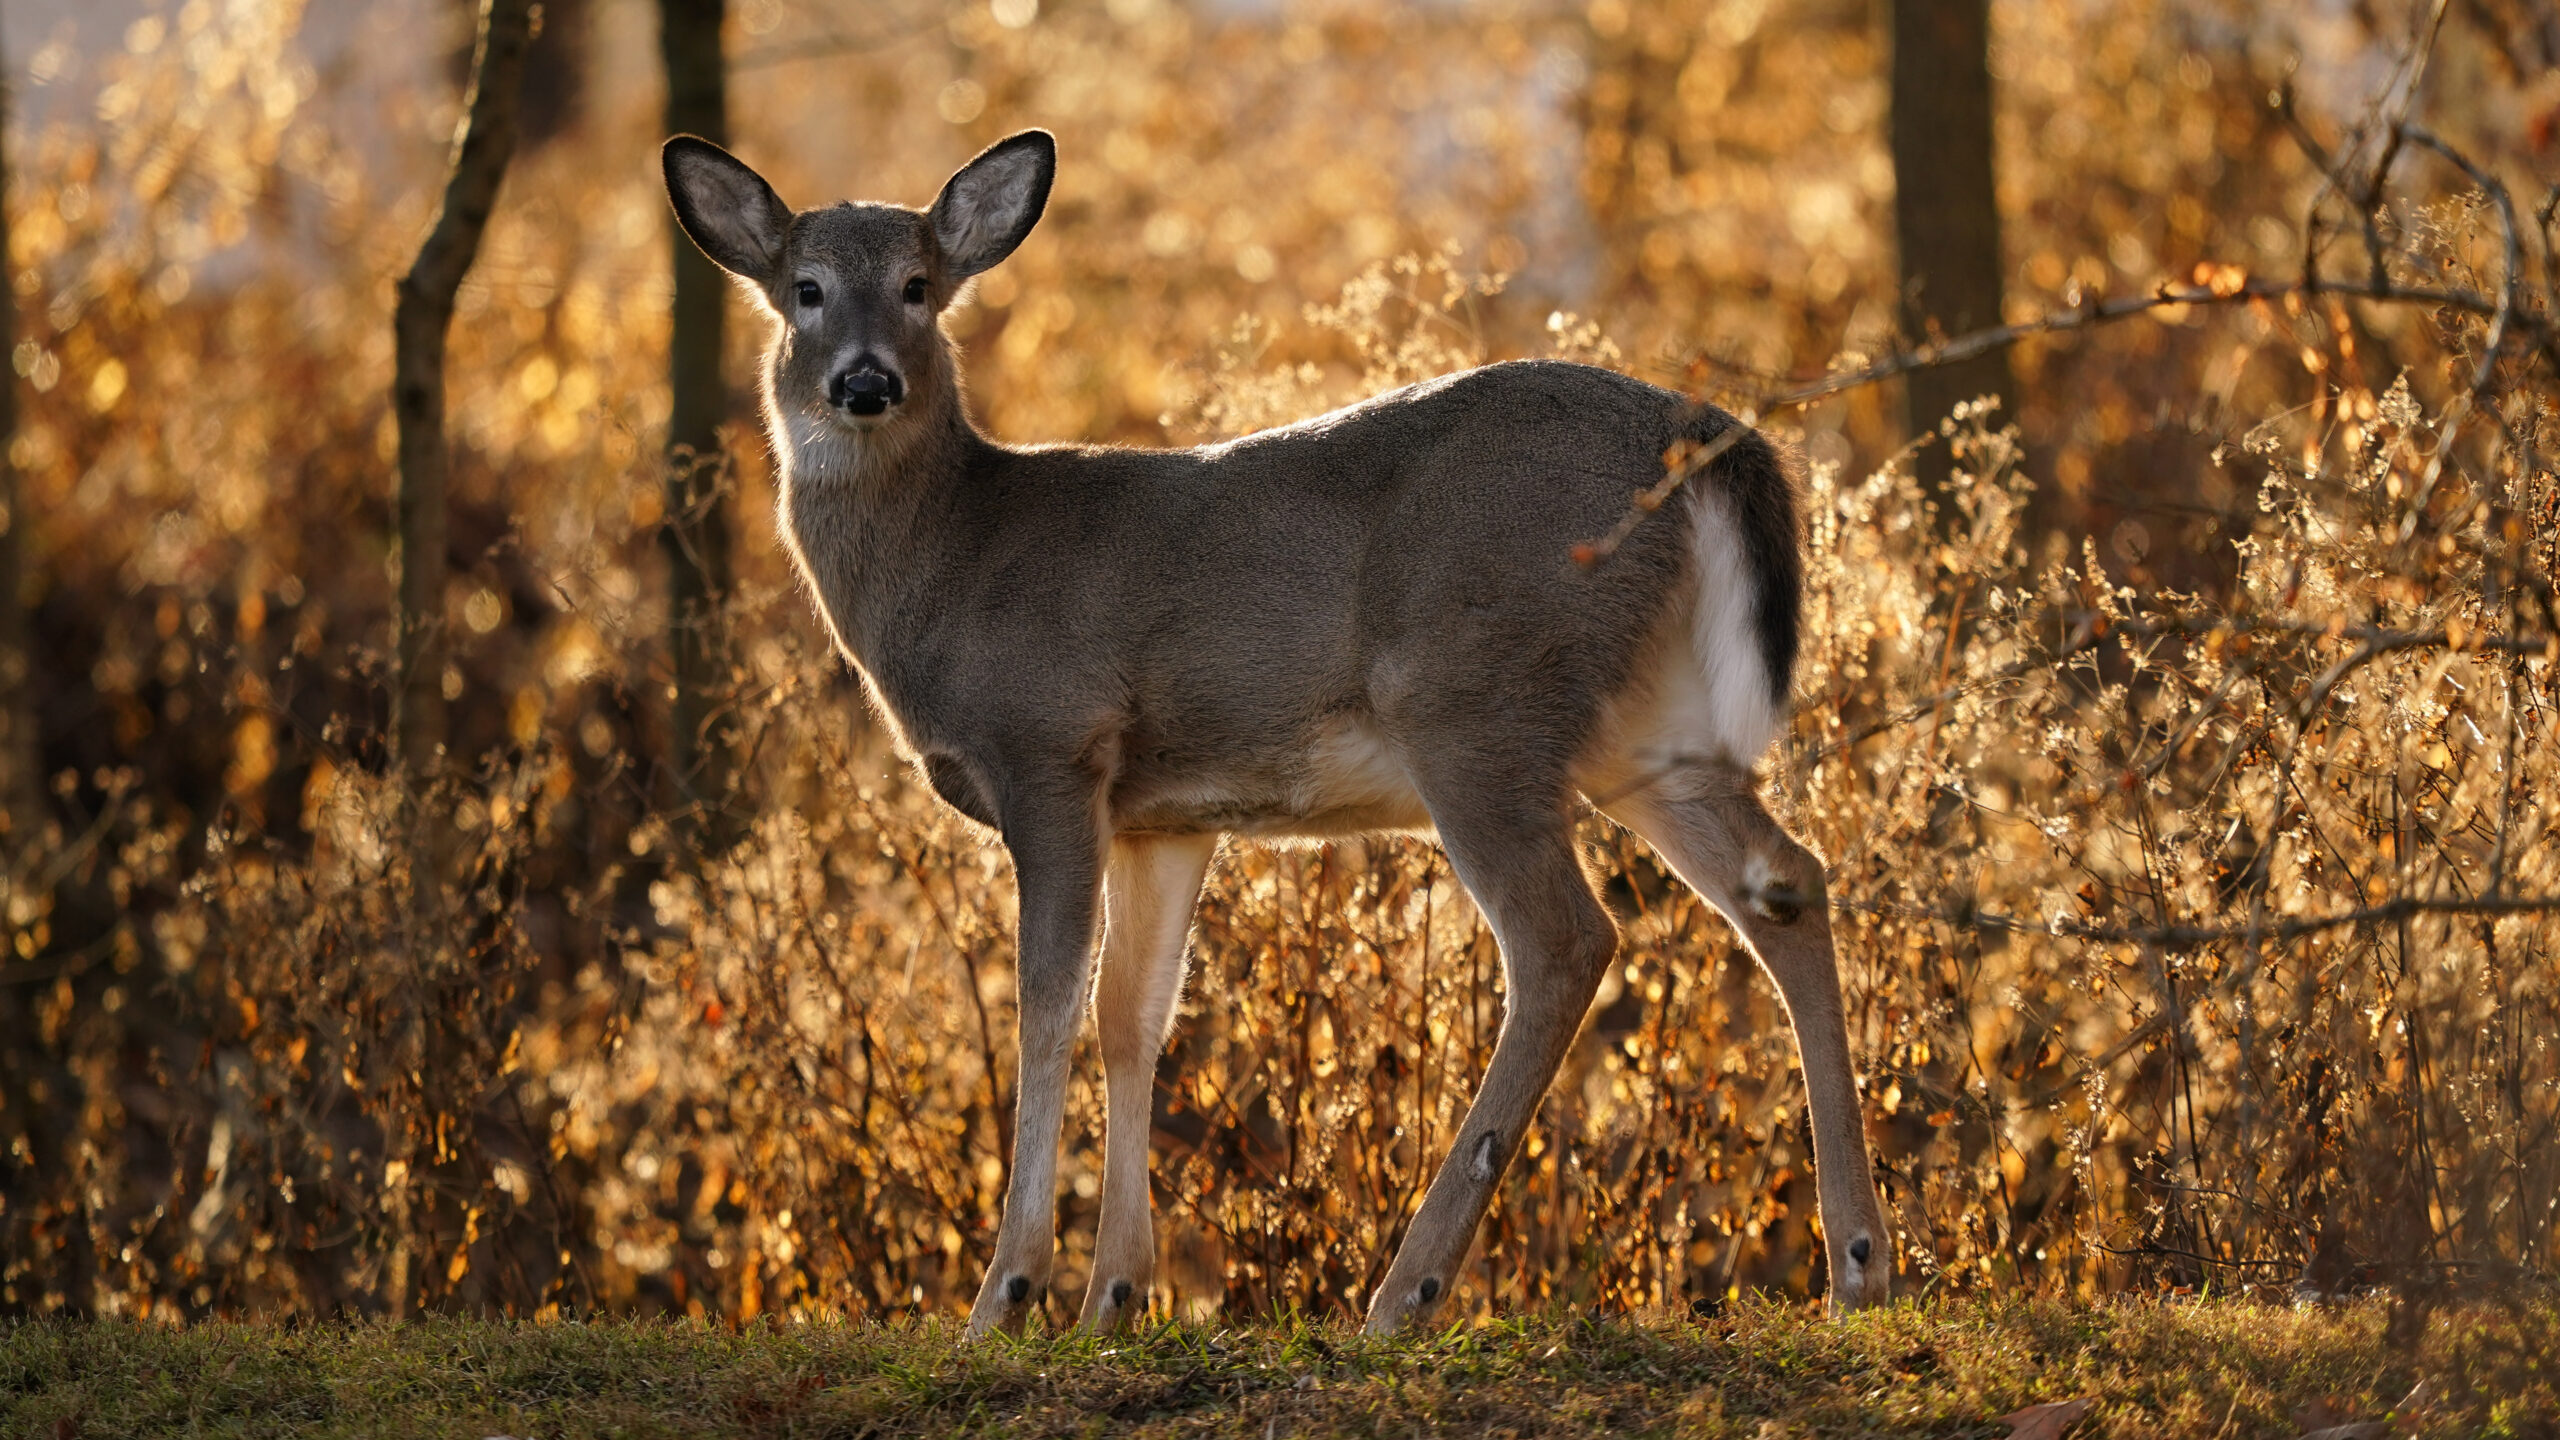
861 513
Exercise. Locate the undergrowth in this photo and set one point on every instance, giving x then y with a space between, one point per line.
2196 909
2225 1370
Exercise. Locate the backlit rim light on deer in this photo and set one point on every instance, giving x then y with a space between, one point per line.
1368 621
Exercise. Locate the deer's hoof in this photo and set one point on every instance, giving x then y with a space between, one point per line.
1003 1304
1398 1306
1114 1305
1862 1274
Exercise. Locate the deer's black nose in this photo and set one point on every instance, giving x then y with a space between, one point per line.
866 389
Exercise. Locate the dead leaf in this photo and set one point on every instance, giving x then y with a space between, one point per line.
2047 1422
2324 1420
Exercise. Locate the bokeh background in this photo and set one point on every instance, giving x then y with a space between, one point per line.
2180 730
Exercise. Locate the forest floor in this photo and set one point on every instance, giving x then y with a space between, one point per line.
1964 1368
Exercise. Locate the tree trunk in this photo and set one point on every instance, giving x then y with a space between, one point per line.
20 791
420 320
1946 214
695 532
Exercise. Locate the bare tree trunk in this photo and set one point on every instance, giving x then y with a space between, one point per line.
20 758
424 314
695 534
1946 213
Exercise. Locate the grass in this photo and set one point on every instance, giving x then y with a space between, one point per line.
2207 1369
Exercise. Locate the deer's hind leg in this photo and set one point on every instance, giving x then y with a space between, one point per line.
1708 825
1148 892
1518 859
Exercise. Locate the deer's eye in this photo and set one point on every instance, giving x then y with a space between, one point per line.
916 291
809 295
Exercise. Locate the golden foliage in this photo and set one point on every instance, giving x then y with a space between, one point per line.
2186 902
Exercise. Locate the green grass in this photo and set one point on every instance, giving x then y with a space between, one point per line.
2219 1369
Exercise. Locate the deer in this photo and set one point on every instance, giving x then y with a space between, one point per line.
1114 658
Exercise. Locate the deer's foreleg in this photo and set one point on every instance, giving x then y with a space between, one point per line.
1147 896
1057 860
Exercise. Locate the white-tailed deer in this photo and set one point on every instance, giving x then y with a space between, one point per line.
1365 622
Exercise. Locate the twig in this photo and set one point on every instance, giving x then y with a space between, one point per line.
2509 300
830 44
1676 472
1978 342
1692 462
2190 936
2373 642
423 313
2151 1248
2216 286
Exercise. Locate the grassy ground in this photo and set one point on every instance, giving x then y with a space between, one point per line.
2222 1369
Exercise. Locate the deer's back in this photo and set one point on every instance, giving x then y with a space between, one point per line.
1264 633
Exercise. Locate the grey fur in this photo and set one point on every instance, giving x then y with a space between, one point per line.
1083 647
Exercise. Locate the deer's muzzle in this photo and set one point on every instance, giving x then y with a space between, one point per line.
865 389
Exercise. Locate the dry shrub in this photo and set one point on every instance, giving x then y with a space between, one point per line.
2190 938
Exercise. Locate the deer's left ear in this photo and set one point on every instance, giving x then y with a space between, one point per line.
988 207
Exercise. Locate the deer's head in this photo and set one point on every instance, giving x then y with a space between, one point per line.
857 291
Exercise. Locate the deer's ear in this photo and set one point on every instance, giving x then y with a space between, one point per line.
992 203
727 208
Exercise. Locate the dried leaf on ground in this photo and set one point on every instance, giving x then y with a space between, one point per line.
2047 1422
2325 1420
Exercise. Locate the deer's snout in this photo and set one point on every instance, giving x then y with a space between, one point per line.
866 388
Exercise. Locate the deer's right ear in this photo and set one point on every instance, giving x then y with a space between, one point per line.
727 208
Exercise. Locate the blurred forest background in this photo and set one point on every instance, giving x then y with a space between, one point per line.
2180 731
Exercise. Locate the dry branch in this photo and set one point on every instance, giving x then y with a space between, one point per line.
2103 312
2083 317
482 146
2508 314
2187 937
18 751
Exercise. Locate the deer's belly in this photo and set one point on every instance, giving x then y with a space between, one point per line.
1345 781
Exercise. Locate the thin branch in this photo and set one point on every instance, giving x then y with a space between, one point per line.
21 753
1676 470
1923 708
421 318
2183 937
1965 347
2506 313
2510 300
1693 461
2091 627
828 46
